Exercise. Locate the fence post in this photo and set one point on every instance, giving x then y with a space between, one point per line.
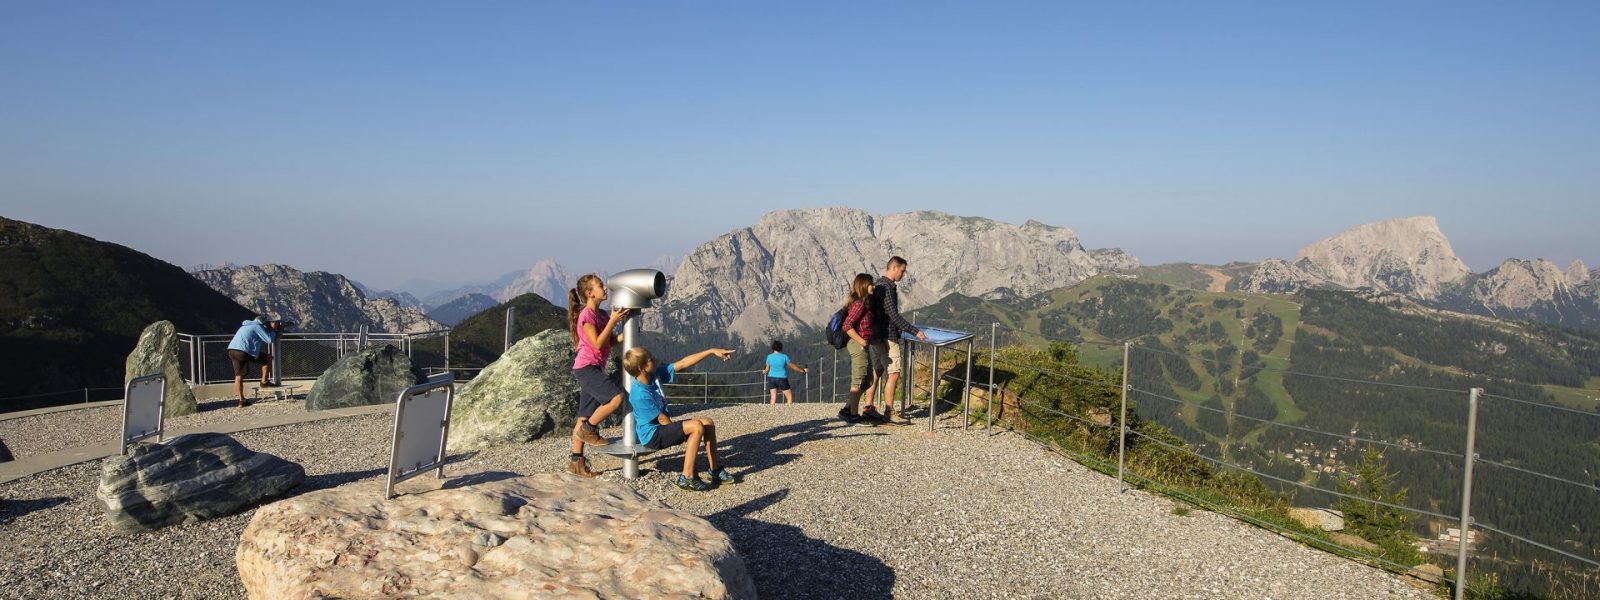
933 386
1466 491
509 311
833 384
86 395
994 328
966 395
1122 422
705 387
447 352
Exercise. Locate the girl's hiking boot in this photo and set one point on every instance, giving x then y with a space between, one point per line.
692 484
721 475
580 467
591 435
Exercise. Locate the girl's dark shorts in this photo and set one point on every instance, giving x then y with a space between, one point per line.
667 436
594 389
778 383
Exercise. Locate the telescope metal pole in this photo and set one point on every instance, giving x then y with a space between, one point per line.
630 438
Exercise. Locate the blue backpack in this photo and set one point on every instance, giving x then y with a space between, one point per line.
835 331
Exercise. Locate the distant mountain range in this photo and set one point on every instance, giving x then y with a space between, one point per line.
316 301
792 268
547 278
1412 258
72 307
457 310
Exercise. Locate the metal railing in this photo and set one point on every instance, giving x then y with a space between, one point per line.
1473 533
204 357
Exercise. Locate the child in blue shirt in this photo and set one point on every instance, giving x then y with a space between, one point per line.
777 370
653 424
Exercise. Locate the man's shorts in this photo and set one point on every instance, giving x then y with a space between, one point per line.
594 389
239 359
894 357
667 436
878 355
778 383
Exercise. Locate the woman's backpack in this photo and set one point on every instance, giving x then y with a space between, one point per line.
835 331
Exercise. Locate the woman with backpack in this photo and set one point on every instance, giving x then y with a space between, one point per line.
858 325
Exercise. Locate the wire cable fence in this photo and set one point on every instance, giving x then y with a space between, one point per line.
1410 452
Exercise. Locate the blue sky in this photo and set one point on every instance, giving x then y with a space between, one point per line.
404 140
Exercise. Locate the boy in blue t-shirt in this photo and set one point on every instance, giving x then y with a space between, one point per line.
656 430
777 370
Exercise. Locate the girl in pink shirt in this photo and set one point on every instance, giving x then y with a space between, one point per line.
593 332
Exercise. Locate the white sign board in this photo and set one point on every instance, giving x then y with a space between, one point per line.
143 409
421 428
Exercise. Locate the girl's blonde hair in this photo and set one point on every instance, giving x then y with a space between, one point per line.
635 360
860 288
577 297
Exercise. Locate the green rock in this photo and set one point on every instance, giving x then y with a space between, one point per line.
192 477
525 395
372 376
157 352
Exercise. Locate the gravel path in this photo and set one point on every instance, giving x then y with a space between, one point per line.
43 434
824 511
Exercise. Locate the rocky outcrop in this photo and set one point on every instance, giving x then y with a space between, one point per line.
1276 276
526 394
317 301
1318 518
189 478
521 537
793 266
1530 289
1407 256
157 352
372 376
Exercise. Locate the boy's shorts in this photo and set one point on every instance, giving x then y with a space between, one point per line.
778 383
594 389
667 436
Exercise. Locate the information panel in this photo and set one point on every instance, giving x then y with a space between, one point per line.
143 409
421 430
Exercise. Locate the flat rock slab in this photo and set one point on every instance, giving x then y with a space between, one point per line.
541 536
191 477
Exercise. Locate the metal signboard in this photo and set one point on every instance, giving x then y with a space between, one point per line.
143 409
421 430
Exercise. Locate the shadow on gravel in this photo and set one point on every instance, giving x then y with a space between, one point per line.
322 482
760 450
785 563
15 509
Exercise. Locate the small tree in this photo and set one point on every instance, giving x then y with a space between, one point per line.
1386 526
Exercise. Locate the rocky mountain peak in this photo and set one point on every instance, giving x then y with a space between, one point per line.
793 266
1578 273
1409 256
1519 284
318 300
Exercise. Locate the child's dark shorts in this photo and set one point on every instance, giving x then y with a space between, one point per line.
778 383
594 389
667 436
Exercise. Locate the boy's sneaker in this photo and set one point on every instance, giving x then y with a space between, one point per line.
721 475
692 484
591 435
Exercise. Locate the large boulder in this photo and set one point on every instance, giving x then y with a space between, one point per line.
372 376
551 535
157 352
191 477
526 394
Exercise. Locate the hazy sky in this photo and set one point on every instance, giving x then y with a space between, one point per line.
404 140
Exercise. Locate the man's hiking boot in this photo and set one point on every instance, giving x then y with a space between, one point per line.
721 475
591 435
580 467
692 484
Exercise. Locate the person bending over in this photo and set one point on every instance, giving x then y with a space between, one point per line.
250 345
653 421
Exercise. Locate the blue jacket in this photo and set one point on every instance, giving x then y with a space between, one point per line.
251 335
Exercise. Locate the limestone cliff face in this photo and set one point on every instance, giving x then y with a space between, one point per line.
1406 256
793 267
317 301
1532 289
1277 276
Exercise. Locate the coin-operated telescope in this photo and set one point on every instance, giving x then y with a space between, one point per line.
632 289
635 288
